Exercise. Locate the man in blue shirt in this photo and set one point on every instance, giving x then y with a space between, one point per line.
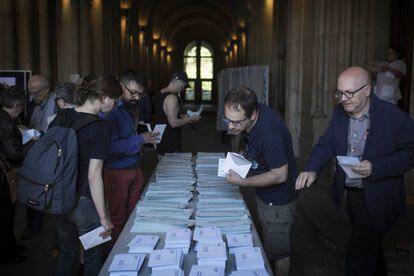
268 145
123 179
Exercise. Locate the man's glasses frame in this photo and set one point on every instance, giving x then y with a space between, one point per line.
133 94
238 123
348 94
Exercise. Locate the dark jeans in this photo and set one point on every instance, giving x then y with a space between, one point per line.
365 256
8 245
82 219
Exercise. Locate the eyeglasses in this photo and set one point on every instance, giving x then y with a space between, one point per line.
238 123
133 94
348 94
34 94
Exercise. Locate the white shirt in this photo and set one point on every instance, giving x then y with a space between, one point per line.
388 86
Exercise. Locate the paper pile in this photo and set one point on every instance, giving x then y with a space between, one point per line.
168 272
238 241
201 270
126 264
143 243
249 258
250 272
165 259
214 254
179 239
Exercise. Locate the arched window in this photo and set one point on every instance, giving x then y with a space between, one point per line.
198 63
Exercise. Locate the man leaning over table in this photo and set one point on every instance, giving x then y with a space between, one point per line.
268 145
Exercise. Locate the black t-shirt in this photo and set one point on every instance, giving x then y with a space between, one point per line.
269 146
93 143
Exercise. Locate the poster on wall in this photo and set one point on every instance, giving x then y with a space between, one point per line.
15 77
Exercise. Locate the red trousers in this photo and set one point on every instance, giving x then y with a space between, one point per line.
123 188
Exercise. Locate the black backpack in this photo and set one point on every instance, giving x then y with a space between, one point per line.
47 179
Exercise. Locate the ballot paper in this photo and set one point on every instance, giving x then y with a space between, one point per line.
195 113
250 272
202 270
126 263
238 241
346 163
143 243
237 163
211 234
92 238
249 258
211 253
168 272
220 169
162 259
28 134
160 129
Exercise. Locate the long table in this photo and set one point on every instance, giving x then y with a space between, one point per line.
189 259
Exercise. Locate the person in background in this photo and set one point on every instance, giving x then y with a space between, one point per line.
64 97
45 106
123 177
381 136
12 102
389 75
167 111
90 210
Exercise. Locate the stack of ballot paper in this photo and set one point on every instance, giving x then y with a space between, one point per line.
203 270
143 243
168 272
164 259
159 225
214 254
250 272
179 239
235 162
249 258
238 241
207 234
126 264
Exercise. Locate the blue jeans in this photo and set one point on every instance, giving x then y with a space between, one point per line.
80 220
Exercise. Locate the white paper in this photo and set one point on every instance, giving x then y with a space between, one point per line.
126 262
143 243
237 163
346 163
92 238
28 134
160 128
195 113
220 170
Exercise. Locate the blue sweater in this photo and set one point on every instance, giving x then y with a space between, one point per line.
125 142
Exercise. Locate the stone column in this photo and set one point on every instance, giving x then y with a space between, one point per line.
44 38
8 56
24 32
85 56
68 39
97 38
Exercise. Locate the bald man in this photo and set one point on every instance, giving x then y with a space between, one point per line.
381 137
40 94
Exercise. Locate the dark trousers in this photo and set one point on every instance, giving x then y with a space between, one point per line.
34 219
365 256
8 246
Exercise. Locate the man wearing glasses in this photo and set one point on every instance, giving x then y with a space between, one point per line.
44 106
273 173
123 179
382 137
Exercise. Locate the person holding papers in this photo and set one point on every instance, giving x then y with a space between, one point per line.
167 111
123 179
268 146
90 210
381 136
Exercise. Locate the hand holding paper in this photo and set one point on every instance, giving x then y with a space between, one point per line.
93 238
348 163
237 163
